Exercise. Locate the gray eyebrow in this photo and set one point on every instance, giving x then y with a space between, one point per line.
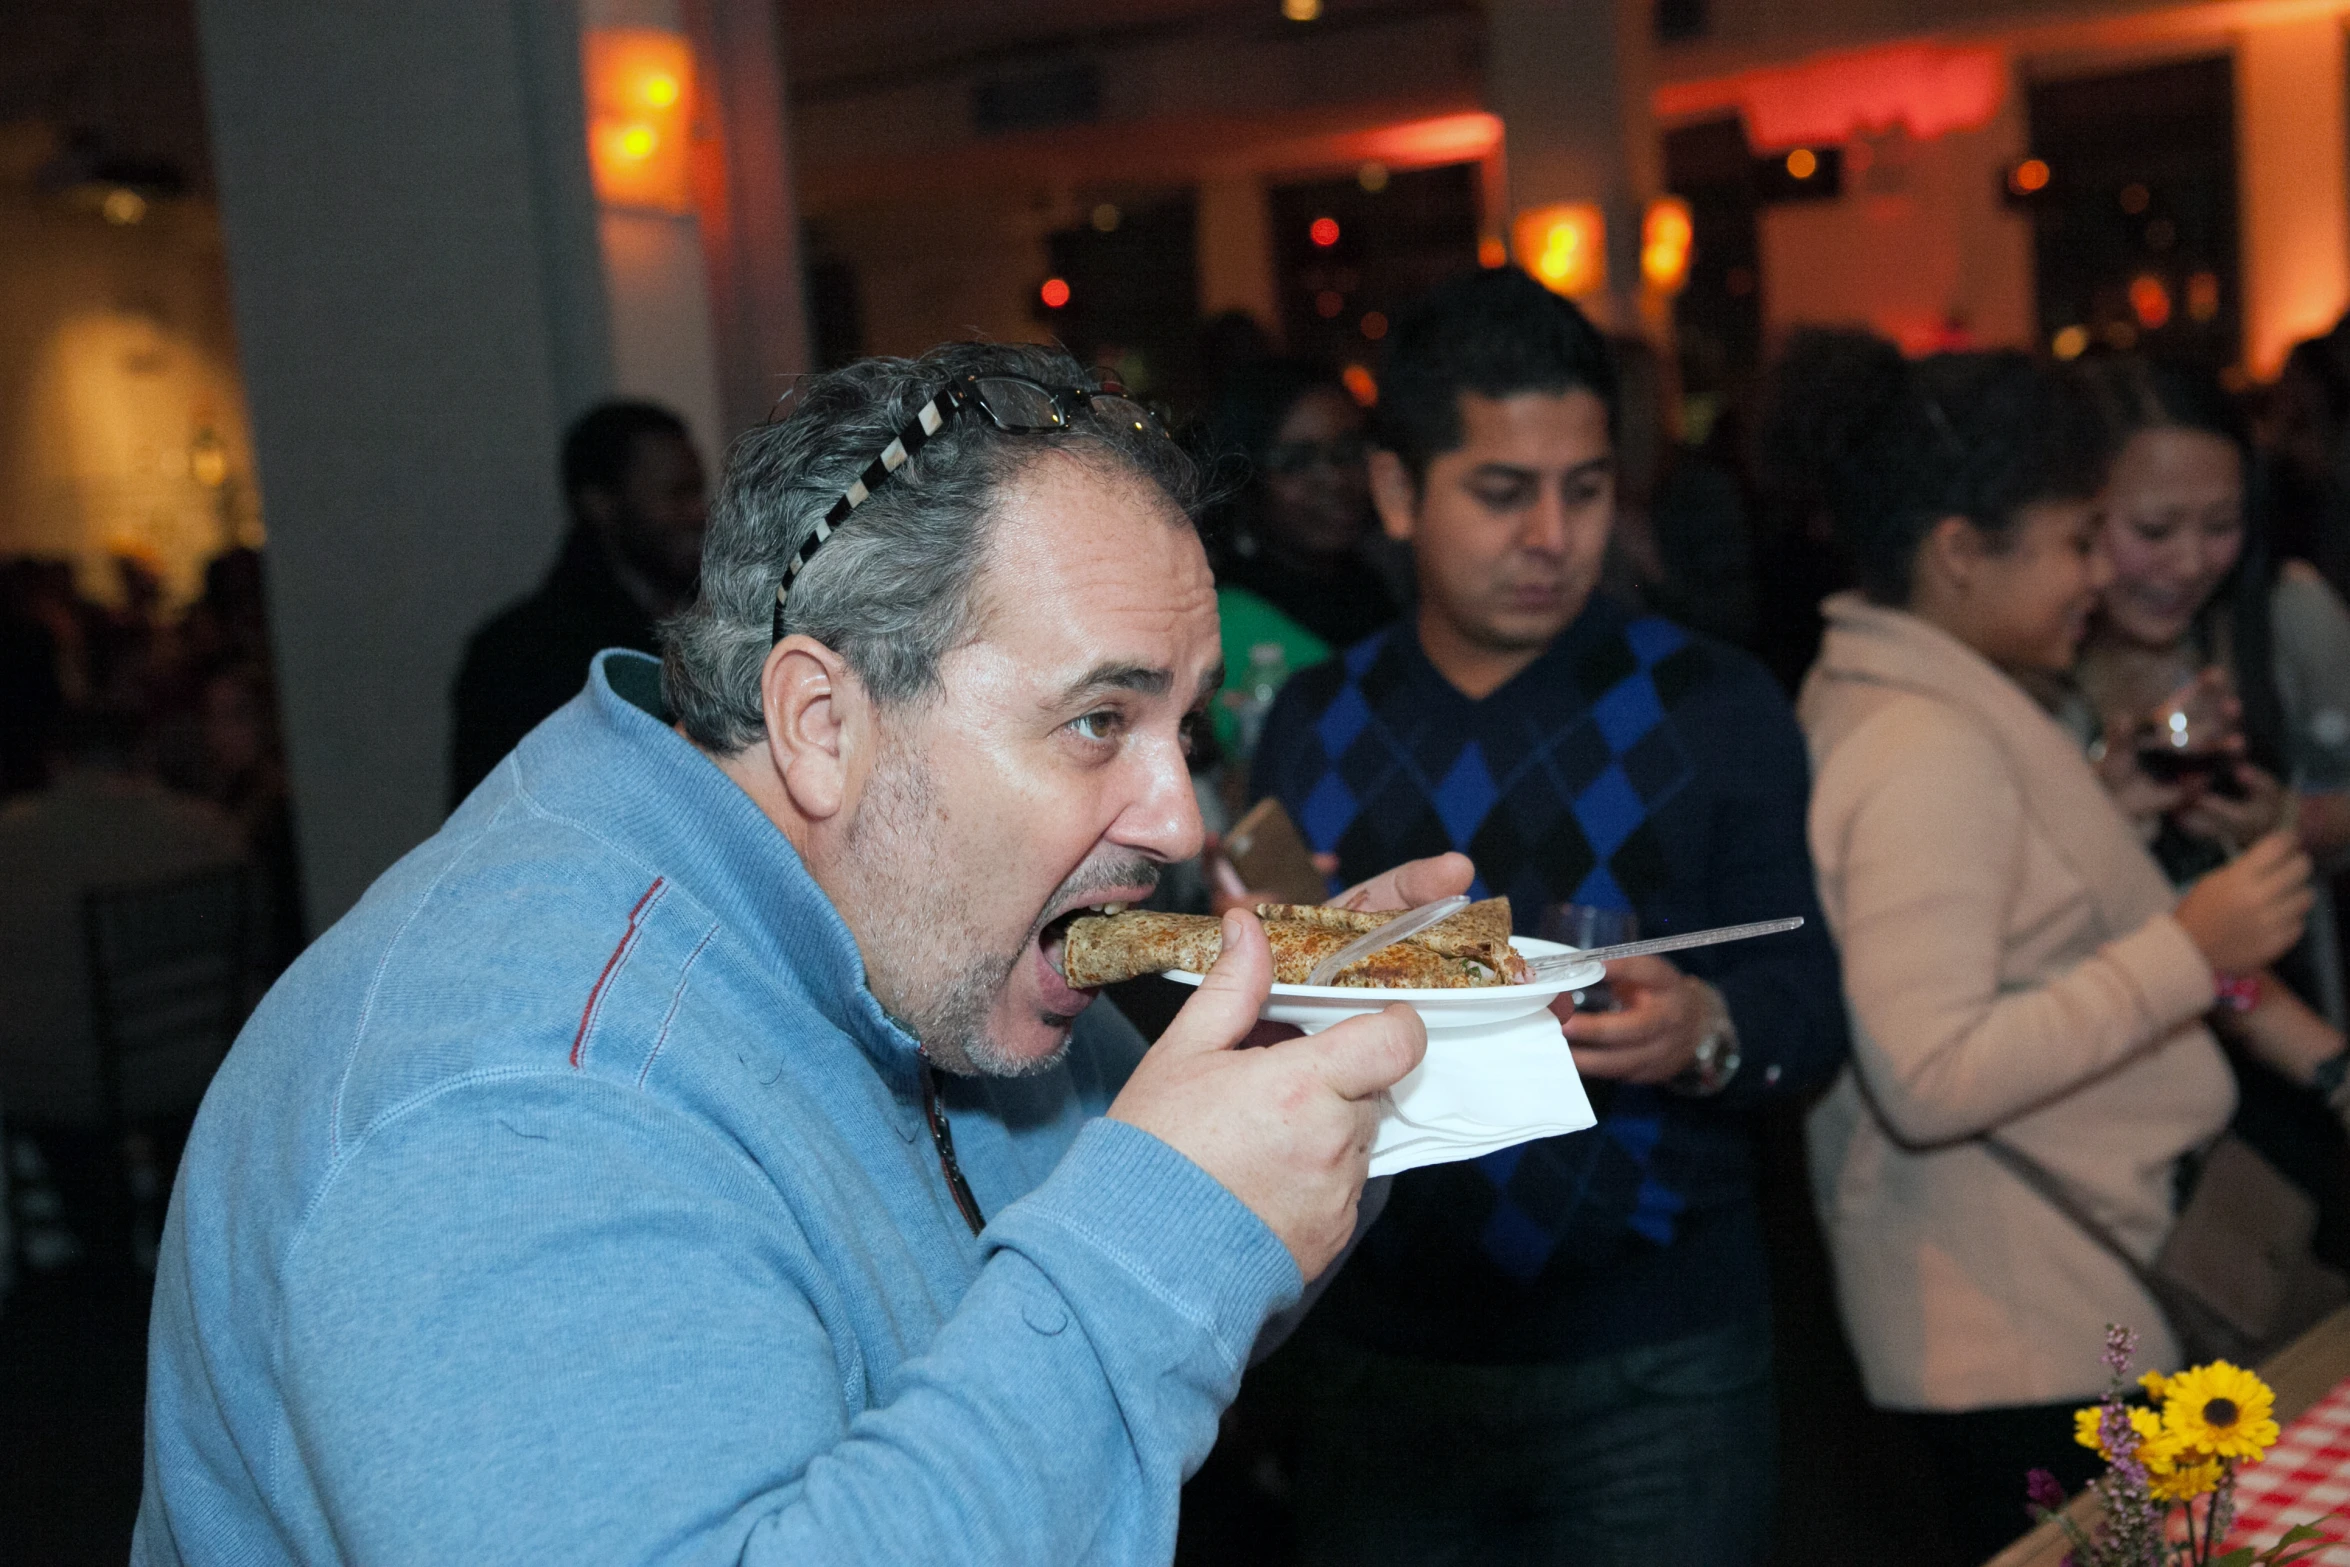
1114 676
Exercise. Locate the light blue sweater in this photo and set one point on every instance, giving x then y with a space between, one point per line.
570 1200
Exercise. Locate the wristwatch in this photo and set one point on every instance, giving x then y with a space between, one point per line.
1717 1058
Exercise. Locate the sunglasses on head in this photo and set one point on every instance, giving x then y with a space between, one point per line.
1014 404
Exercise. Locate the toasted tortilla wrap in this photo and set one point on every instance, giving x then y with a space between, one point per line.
1104 949
1480 931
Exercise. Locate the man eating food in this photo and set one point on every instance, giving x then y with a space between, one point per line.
696 1150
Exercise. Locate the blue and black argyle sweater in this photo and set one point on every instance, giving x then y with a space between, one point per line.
1634 765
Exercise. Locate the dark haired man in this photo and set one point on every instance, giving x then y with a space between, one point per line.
694 1152
635 490
1559 1352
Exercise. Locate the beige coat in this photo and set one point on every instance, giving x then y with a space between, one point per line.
2012 967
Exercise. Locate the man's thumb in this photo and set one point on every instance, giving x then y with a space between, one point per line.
1231 995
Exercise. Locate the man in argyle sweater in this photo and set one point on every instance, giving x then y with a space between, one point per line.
1561 1351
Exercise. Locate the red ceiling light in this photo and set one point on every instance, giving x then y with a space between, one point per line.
1324 232
1055 293
2150 301
1926 89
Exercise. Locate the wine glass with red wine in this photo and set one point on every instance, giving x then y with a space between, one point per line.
2192 740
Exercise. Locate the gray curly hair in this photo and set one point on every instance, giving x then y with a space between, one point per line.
893 592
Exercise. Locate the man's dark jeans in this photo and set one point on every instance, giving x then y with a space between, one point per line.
1655 1456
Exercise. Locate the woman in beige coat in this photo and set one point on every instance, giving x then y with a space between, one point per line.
2015 965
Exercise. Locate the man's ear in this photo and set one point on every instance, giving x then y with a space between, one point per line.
1395 495
815 711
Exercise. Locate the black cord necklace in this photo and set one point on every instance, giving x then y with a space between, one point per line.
942 1138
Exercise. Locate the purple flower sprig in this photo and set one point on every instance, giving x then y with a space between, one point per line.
2121 1347
2132 1536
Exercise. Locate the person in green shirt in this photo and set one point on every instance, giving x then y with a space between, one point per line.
1295 570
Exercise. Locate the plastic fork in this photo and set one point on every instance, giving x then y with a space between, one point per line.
1560 962
1387 935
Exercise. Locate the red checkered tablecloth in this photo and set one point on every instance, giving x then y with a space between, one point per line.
2305 1474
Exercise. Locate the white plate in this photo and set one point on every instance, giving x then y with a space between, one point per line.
1315 1007
1497 1071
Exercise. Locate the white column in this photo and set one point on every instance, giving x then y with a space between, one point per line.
412 251
658 293
1235 250
2294 185
757 307
657 288
1569 79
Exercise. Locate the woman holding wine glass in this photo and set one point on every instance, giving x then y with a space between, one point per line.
2024 983
2214 689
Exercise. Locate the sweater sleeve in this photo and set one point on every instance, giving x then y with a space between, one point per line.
1782 991
1921 869
538 1321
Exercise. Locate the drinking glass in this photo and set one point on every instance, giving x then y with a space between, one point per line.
2192 739
1584 926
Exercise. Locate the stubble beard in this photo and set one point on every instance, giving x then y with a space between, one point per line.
924 934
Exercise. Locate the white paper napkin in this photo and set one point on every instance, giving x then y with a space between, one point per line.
1479 1089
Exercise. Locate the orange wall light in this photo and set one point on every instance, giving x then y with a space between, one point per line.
639 87
1665 234
1564 245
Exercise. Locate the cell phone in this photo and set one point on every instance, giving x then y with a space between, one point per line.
1271 856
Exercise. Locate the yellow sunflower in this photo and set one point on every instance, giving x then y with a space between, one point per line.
2153 1447
2155 1383
2220 1411
2184 1483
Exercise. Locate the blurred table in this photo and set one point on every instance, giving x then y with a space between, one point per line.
2307 1471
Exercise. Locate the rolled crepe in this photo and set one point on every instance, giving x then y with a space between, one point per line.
1104 949
1480 931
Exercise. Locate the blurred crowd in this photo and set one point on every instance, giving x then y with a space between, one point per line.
2128 571
180 703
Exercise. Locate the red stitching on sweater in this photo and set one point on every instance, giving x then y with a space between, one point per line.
587 1014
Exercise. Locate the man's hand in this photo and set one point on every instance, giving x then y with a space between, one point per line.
1666 1014
1409 885
1287 1129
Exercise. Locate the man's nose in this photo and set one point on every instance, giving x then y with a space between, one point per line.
1163 820
1542 528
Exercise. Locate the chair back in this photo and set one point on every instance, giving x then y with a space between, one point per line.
169 963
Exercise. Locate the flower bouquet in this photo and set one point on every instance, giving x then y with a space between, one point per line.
2169 1488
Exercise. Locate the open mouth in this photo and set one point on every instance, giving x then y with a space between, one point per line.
1053 937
